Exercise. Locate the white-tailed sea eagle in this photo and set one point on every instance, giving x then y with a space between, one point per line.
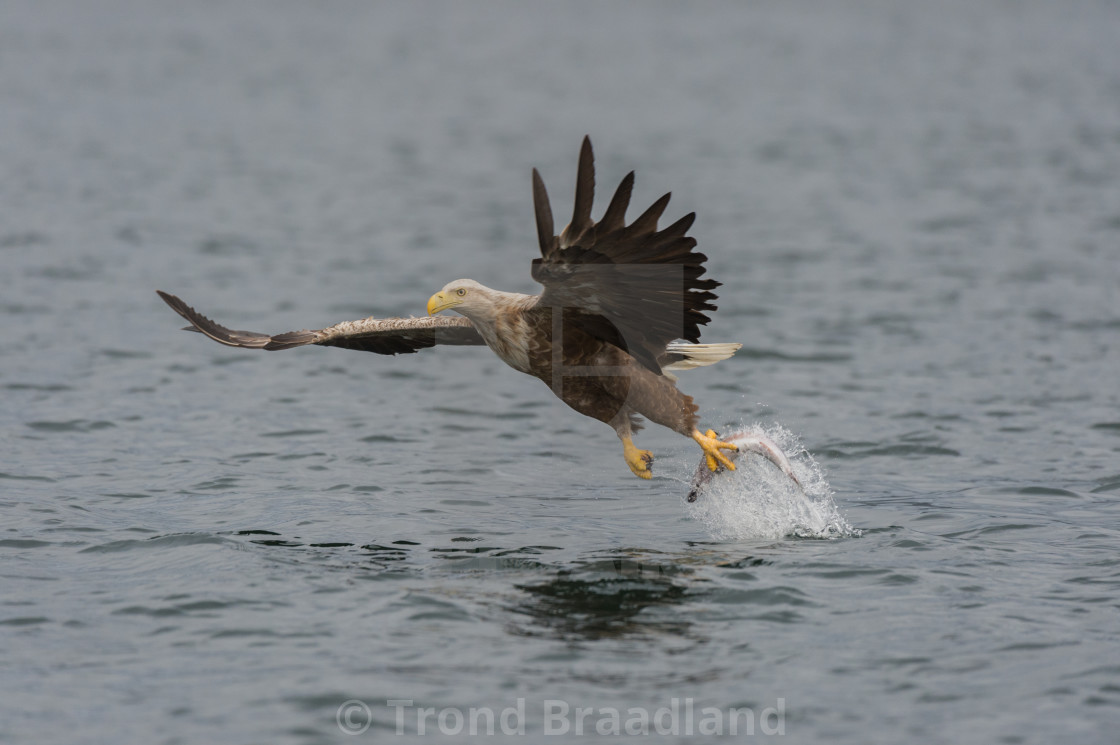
622 307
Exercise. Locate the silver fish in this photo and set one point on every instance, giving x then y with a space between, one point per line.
747 442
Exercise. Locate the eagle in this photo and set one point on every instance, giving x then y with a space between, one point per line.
621 310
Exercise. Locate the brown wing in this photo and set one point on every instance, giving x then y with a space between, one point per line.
379 335
631 285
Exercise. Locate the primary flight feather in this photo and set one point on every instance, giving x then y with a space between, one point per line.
621 309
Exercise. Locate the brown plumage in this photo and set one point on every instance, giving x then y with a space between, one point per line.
602 335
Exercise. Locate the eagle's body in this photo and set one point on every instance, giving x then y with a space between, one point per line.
592 376
602 335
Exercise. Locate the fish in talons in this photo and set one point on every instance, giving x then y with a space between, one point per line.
746 441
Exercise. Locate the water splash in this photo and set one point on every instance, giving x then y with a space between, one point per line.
757 500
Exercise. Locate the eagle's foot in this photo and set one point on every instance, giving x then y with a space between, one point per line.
710 443
640 461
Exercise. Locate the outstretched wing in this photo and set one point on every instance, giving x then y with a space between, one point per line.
379 335
633 286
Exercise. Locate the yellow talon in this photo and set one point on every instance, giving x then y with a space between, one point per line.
710 443
713 464
640 461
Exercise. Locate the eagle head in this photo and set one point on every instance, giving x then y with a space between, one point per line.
466 296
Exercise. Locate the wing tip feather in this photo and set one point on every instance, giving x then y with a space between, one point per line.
585 194
543 212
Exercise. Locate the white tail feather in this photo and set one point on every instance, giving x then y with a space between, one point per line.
699 355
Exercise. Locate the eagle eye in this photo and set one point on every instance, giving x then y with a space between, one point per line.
460 292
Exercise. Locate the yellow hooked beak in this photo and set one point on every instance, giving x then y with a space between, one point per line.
440 301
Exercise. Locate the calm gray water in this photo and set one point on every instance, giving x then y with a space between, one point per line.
916 214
